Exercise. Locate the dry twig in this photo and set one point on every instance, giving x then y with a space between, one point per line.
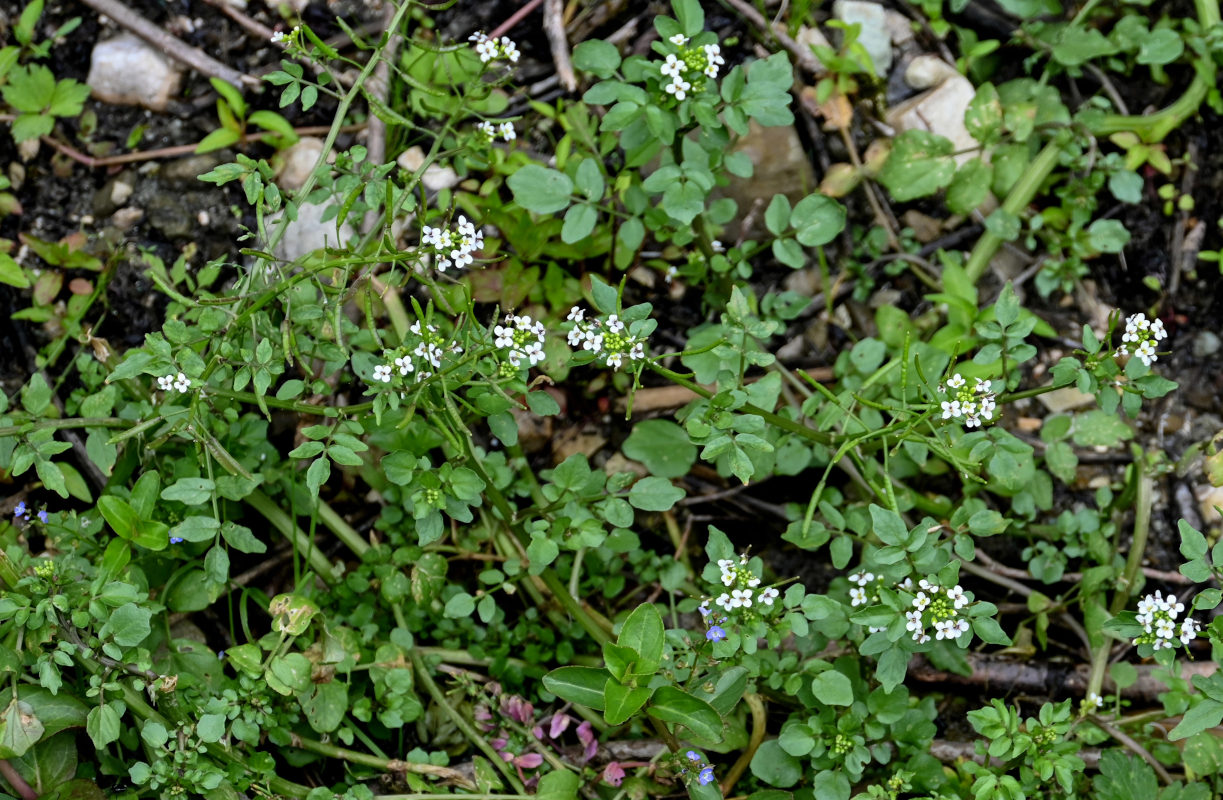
170 45
554 27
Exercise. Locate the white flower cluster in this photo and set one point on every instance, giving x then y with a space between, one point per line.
973 404
609 340
1091 703
694 63
490 131
522 339
453 248
492 49
419 360
859 594
743 583
937 607
281 36
178 383
1141 334
1157 616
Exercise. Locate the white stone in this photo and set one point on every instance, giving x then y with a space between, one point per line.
1209 497
308 232
127 71
1065 399
928 71
874 35
297 162
940 110
900 28
120 191
435 178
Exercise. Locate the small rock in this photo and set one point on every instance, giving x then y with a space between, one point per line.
780 166
940 110
874 34
28 149
127 71
308 232
187 170
621 463
435 178
899 27
1209 497
1205 344
125 218
1065 399
297 162
928 71
114 194
925 227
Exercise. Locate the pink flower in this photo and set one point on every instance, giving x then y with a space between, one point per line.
559 723
529 760
587 737
517 709
613 773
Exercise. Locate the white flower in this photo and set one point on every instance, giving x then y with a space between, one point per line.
678 87
382 372
637 352
914 621
615 360
614 324
1157 330
575 337
165 383
951 409
507 131
576 314
956 381
278 37
1165 628
983 386
725 601
741 597
182 383
509 50
956 595
921 602
405 365
679 40
713 55
486 49
1189 630
857 597
477 37
673 67
1093 701
769 595
486 128
1146 353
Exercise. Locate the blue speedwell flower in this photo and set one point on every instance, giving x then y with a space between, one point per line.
176 540
21 512
693 755
716 633
705 776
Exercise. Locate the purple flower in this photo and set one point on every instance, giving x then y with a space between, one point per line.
716 633
529 760
176 540
587 737
558 725
693 755
705 776
613 773
20 512
517 709
42 516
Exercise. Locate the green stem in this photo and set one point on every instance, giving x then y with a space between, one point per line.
1021 194
342 530
383 764
64 424
461 722
1129 576
300 540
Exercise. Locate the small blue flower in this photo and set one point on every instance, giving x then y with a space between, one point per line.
716 633
176 540
42 516
220 654
20 511
705 776
693 755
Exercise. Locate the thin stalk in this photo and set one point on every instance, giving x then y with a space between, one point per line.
65 424
296 536
384 764
342 530
461 722
759 727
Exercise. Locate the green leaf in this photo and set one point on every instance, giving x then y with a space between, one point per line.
662 446
596 56
777 215
1206 714
129 624
817 220
12 273
288 674
970 186
218 139
888 526
154 734
774 766
644 634
1108 235
242 539
654 494
622 702
20 728
102 724
196 529
428 577
680 708
983 117
832 688
460 605
919 165
189 491
580 221
124 521
560 784
56 712
540 189
581 685
210 727
1079 44
1193 543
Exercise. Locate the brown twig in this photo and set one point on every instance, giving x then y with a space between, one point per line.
1125 739
251 26
803 55
554 28
169 45
514 18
